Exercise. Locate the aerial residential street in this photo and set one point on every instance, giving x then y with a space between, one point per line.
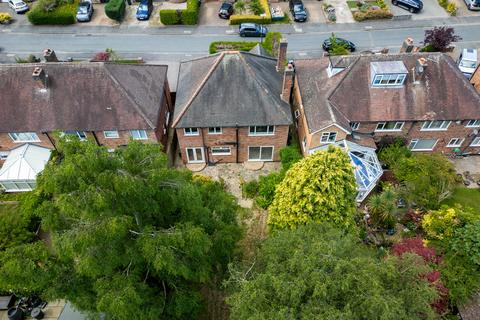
180 42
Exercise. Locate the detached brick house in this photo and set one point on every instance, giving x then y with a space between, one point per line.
422 97
229 108
106 103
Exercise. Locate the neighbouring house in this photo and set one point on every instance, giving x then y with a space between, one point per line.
104 102
19 172
230 107
421 97
475 79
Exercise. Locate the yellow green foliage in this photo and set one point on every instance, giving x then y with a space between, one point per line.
318 188
441 224
5 17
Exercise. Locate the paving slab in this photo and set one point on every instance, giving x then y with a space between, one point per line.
315 11
209 14
343 13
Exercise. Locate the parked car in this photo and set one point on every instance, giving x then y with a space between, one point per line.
298 10
85 11
414 6
468 61
226 10
252 30
18 6
473 5
327 44
144 10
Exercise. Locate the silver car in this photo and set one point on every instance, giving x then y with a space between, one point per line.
18 6
85 11
473 5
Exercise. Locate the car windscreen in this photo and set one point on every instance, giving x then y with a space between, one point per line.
83 8
143 7
298 8
20 4
468 64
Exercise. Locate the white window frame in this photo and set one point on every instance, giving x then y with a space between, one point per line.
4 155
213 130
167 118
75 133
473 124
382 80
355 125
191 132
397 127
111 134
296 113
255 133
326 137
443 126
415 141
455 143
475 142
214 153
15 136
142 134
260 153
195 160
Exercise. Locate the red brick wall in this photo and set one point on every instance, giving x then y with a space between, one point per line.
123 138
228 139
6 143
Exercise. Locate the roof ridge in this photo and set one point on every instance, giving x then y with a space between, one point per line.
125 92
199 88
257 55
203 57
350 67
270 95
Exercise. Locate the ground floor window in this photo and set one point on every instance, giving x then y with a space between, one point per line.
221 151
475 142
195 155
138 134
455 142
422 144
328 137
15 186
260 153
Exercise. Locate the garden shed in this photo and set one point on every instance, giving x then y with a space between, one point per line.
23 164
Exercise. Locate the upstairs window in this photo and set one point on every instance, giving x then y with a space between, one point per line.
422 144
215 130
390 126
473 124
81 135
475 142
191 131
389 79
355 125
328 137
24 137
388 73
435 125
262 131
111 134
138 134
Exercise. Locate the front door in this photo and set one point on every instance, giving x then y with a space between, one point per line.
195 155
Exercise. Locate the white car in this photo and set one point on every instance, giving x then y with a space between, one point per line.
468 61
18 6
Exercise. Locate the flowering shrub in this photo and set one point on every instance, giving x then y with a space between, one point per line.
415 245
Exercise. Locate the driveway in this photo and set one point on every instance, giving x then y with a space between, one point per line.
343 13
17 19
209 14
431 9
462 10
314 11
131 18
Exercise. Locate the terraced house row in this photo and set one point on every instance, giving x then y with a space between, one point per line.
243 106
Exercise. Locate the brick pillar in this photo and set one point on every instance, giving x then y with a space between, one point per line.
282 55
288 77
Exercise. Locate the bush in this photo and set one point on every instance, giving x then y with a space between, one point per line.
170 16
271 42
289 155
5 17
393 154
266 19
266 188
256 7
218 46
250 189
372 15
452 9
62 14
115 9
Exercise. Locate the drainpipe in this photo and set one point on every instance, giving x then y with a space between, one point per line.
238 142
96 139
50 139
207 157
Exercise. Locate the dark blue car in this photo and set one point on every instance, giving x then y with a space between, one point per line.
144 10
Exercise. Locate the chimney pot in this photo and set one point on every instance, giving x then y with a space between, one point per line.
407 46
49 55
282 55
288 79
40 77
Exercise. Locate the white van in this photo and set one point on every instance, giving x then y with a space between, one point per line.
467 62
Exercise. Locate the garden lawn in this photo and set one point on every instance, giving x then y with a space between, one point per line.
466 197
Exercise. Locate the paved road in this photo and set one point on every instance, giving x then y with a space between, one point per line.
177 43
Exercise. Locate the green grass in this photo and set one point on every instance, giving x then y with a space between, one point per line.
352 4
465 197
8 209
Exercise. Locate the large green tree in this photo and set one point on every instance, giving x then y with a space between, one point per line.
131 238
319 272
318 188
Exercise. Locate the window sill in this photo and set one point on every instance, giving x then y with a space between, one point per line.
453 146
191 135
221 154
434 129
396 130
26 141
259 160
413 150
140 139
261 134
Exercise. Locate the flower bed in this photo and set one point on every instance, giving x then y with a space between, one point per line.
53 12
369 10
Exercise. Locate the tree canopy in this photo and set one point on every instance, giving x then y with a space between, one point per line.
131 238
319 188
319 272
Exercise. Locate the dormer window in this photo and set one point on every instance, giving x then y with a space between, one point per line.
388 73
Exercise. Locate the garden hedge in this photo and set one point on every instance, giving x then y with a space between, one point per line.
189 16
62 15
266 19
218 46
372 15
115 9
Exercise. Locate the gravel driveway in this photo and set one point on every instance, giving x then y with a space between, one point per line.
431 9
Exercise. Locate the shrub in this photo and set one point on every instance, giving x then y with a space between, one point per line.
382 208
271 42
394 153
289 155
250 189
440 38
266 188
190 15
239 6
372 15
62 14
5 17
256 7
115 9
170 16
452 9
218 46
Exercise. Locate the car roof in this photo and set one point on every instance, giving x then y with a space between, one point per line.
17 1
248 25
469 54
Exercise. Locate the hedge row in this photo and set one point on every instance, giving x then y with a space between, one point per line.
115 9
63 14
218 46
188 16
372 15
266 19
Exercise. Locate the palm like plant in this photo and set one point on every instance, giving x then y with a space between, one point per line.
382 208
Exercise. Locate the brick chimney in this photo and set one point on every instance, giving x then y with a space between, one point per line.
420 66
288 79
407 46
282 55
49 55
40 78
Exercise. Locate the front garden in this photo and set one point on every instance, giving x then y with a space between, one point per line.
188 16
269 44
369 10
53 12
